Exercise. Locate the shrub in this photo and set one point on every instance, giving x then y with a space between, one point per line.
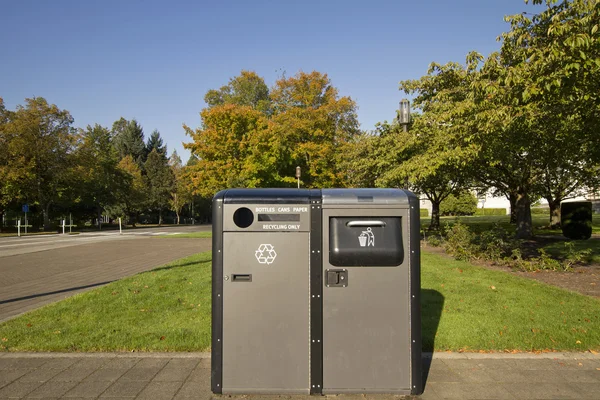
424 212
463 204
460 242
490 211
576 219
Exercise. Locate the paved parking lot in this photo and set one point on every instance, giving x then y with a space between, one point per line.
61 268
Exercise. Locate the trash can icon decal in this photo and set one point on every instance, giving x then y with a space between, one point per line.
367 238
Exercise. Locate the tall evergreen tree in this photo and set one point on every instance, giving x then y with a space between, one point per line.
155 142
159 182
129 140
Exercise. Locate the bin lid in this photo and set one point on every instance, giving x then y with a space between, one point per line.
366 196
265 196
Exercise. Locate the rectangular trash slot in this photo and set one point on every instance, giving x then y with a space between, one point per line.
241 277
366 242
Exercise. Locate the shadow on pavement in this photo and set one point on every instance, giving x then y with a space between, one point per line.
33 296
432 304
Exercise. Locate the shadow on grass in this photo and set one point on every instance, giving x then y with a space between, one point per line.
185 264
432 304
33 296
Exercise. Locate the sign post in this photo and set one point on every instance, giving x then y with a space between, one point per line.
26 210
19 227
298 176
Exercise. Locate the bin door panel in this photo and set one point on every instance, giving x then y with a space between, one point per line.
366 323
265 312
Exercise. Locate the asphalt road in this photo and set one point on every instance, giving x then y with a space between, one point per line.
38 270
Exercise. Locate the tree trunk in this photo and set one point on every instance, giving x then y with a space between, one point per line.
1 220
523 214
159 216
99 211
554 213
435 216
47 217
512 199
177 217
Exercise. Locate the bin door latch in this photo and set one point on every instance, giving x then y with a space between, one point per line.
336 277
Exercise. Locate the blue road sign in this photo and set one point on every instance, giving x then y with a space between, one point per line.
25 208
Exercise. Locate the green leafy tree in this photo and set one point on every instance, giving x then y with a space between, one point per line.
159 183
311 124
464 203
40 144
555 63
247 89
181 192
223 147
244 146
6 185
132 198
433 156
99 177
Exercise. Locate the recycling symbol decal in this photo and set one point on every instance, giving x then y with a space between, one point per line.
265 254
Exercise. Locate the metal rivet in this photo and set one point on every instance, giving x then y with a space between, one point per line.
217 383
313 385
219 295
313 340
413 341
313 251
318 341
226 278
318 386
218 340
314 295
413 296
318 251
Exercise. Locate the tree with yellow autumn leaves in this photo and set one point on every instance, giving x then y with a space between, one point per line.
254 137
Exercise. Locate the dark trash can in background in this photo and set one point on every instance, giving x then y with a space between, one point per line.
576 219
316 291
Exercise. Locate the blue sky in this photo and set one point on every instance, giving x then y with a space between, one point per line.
154 61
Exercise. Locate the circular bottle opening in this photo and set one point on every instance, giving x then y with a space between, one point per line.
243 217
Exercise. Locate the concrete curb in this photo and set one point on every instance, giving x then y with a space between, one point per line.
513 356
104 355
202 355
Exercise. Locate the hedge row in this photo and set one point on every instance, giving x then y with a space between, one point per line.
490 211
540 210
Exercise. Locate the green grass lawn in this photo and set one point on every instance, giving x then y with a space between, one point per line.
481 223
492 310
203 234
465 307
166 309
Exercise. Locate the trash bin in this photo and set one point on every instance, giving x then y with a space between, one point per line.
316 291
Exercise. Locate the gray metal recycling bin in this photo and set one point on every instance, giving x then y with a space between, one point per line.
316 291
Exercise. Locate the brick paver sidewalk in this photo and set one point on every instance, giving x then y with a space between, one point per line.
187 376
